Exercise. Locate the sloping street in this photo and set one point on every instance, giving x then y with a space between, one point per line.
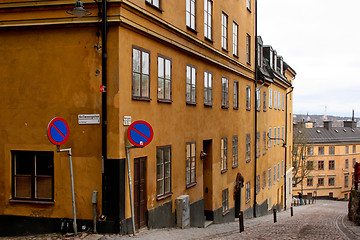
322 220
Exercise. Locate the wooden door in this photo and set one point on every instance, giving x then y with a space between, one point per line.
140 192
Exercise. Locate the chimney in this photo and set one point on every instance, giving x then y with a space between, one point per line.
328 125
352 123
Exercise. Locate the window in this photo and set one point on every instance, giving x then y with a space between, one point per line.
257 184
275 99
163 171
331 181
321 165
331 150
258 100
190 164
278 171
264 101
208 19
346 178
309 182
248 4
33 176
190 84
269 176
275 136
282 133
248 151
354 161
321 151
346 163
282 167
270 98
225 200
321 181
310 165
248 192
235 38
354 149
260 55
310 151
207 88
224 31
270 143
224 92
156 3
236 95
275 174
283 102
164 79
278 135
279 100
223 154
264 179
248 96
235 151
258 144
331 164
141 74
248 49
264 142
275 61
190 13
346 149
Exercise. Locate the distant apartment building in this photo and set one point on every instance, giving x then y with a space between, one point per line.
185 67
332 152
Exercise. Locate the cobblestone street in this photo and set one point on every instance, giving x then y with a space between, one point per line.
322 220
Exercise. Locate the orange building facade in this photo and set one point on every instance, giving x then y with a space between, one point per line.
188 71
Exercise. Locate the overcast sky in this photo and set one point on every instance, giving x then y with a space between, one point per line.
320 40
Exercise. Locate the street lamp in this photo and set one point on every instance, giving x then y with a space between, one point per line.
79 10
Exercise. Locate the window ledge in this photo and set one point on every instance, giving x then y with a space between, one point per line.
208 105
209 40
141 99
236 56
154 7
224 171
226 212
165 101
191 185
248 109
235 166
224 107
236 108
225 50
248 160
161 197
39 202
191 29
191 103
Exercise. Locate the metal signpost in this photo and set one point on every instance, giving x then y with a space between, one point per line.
58 133
140 134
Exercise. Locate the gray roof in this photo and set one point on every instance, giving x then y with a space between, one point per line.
333 135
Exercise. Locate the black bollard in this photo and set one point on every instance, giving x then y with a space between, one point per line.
241 221
291 211
274 210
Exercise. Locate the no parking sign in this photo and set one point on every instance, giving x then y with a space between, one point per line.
58 131
140 133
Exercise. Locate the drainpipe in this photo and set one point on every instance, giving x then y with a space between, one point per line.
256 79
104 102
286 124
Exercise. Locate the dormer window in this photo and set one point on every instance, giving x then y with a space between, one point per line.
271 57
275 61
260 55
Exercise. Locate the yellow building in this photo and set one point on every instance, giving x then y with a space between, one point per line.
187 70
332 152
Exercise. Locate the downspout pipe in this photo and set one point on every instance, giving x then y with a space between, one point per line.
255 110
104 102
286 124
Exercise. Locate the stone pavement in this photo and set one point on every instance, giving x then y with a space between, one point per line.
322 220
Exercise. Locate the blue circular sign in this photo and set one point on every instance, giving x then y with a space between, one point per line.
58 131
140 133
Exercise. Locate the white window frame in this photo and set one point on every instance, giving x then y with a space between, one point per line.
248 4
224 31
208 19
235 39
191 14
270 97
